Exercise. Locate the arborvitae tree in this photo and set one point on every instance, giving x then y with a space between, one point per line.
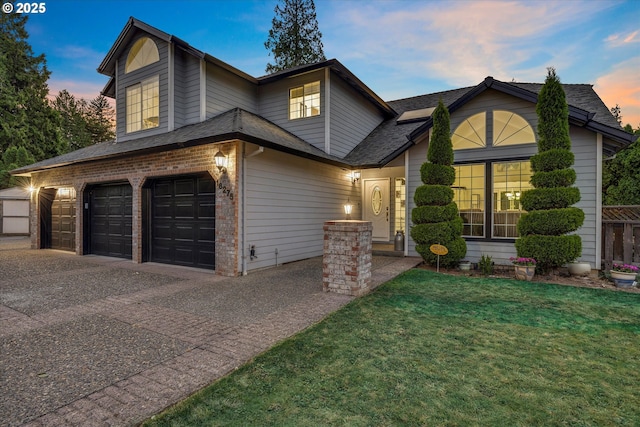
550 215
294 38
435 217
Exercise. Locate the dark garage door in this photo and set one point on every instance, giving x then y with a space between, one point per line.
63 220
182 228
110 220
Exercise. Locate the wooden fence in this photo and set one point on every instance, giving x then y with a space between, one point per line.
620 235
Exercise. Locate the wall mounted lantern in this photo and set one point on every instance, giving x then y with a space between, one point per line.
221 161
355 176
348 208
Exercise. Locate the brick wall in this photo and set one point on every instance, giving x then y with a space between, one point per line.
346 262
137 170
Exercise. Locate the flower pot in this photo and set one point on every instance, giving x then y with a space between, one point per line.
465 266
525 272
623 280
579 268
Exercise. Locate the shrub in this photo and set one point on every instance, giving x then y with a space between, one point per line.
550 251
549 198
551 221
486 265
556 158
554 178
437 232
432 173
457 250
433 195
434 213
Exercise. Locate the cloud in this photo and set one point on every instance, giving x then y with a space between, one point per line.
462 42
79 89
618 40
622 86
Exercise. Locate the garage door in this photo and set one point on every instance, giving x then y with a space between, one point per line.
63 220
182 228
110 220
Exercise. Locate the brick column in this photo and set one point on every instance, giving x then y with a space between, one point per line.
346 263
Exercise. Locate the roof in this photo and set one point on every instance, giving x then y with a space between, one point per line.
393 137
231 125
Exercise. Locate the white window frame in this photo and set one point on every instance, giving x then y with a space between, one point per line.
304 101
143 105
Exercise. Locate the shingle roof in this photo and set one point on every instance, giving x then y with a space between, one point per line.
234 124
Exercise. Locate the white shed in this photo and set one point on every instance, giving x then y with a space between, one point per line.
14 211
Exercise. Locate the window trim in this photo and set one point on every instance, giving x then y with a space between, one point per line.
488 195
303 112
140 106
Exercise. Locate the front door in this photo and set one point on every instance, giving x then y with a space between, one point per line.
376 207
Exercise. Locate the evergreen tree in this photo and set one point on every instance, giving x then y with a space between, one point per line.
550 215
621 174
26 118
435 217
100 120
294 38
13 158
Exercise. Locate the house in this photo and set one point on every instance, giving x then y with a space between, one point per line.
217 169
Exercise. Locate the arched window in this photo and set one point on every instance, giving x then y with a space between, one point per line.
471 133
142 53
511 129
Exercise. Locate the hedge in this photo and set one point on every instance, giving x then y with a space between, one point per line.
549 251
437 232
554 178
434 174
556 158
433 195
457 250
431 213
549 198
551 222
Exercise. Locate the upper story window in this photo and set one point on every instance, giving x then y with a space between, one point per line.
142 53
508 129
304 101
143 105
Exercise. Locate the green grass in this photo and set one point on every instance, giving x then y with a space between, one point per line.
432 349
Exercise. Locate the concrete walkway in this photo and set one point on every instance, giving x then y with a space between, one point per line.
101 341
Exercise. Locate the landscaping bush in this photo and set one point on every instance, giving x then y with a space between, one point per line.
432 173
553 222
435 216
556 158
554 178
435 213
543 230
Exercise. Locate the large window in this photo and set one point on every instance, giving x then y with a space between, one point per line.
142 53
143 105
469 195
510 179
304 101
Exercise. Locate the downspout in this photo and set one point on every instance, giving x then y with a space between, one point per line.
406 203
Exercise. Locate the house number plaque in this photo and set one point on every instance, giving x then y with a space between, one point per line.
226 191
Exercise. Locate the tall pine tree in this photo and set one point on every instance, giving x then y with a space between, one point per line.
294 38
544 229
435 217
26 118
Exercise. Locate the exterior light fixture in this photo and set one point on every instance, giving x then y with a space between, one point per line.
355 176
221 161
348 208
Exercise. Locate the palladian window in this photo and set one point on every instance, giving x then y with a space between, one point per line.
511 129
142 53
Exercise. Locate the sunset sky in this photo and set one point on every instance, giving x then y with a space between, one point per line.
398 48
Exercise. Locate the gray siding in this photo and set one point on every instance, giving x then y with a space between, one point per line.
352 117
187 89
287 201
274 106
123 80
226 91
584 145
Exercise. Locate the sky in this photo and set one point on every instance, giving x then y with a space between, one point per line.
398 48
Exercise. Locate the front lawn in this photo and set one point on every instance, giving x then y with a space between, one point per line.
434 349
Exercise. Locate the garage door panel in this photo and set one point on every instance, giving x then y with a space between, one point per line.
183 221
111 220
63 220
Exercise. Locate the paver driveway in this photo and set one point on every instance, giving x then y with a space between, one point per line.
101 341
